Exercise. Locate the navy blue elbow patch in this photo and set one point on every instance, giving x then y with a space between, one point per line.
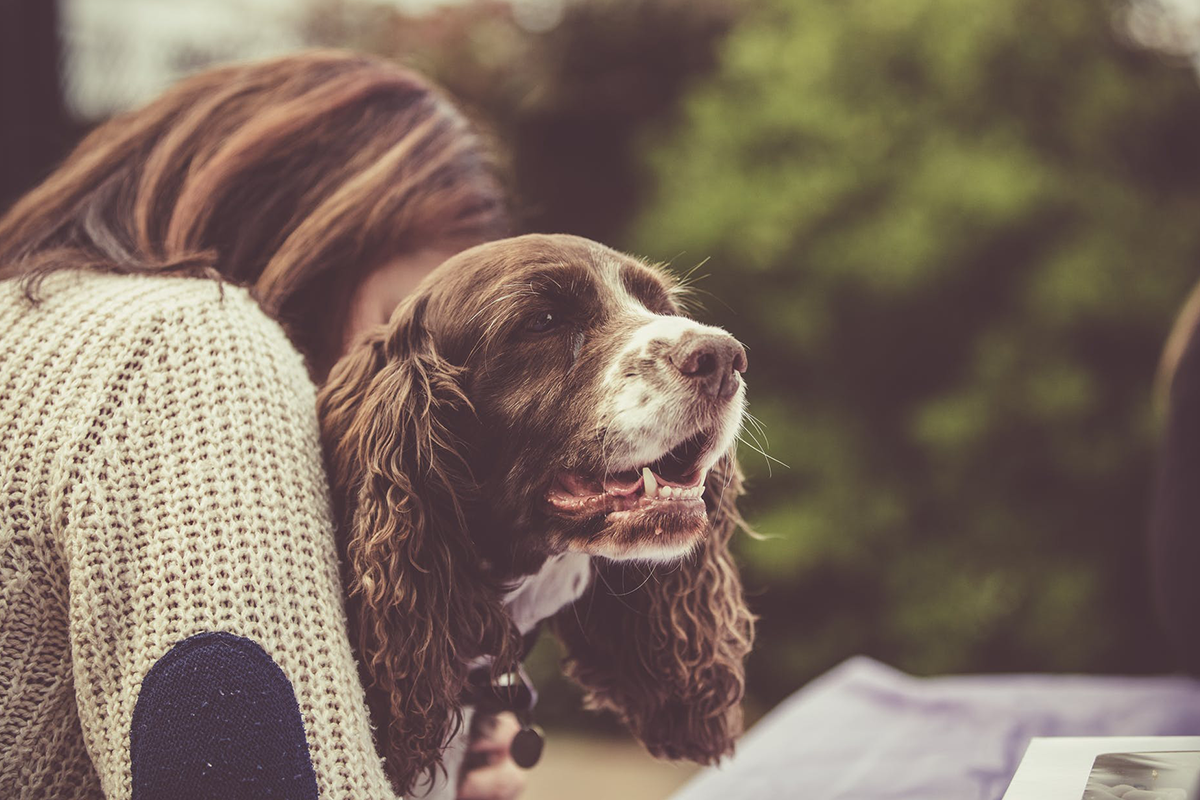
217 718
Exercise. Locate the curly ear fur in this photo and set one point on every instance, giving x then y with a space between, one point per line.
663 646
419 608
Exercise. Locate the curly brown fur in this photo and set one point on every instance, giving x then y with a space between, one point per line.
420 608
662 646
502 425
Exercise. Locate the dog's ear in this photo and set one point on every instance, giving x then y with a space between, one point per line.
663 646
420 608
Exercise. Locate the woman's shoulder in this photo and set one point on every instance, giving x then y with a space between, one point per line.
96 330
86 294
90 309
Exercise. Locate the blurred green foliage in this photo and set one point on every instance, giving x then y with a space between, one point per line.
953 234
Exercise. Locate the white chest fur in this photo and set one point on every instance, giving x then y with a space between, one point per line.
560 582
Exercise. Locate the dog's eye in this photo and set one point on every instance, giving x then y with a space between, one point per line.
542 322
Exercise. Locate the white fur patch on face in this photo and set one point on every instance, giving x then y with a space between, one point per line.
642 417
560 582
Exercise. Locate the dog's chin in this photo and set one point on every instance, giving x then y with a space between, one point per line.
651 531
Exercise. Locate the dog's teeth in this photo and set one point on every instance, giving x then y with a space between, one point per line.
651 484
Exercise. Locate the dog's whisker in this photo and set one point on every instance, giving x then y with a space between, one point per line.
754 438
638 588
493 302
618 596
764 454
758 425
580 622
686 280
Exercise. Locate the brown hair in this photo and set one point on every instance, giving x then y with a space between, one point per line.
292 176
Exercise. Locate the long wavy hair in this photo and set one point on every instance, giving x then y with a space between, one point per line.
293 177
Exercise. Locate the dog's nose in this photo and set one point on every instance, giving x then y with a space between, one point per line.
712 361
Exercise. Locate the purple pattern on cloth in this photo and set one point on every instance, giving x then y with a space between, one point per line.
868 732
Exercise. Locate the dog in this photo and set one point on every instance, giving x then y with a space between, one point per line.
541 433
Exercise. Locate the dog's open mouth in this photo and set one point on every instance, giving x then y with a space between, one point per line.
674 482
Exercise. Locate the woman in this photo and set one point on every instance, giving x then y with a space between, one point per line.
171 621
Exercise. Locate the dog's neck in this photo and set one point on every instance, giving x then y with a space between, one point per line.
560 582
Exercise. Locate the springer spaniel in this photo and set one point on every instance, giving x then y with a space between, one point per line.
540 432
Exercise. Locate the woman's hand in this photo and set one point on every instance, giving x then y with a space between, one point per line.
499 778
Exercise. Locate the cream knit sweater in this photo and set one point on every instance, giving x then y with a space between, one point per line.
160 477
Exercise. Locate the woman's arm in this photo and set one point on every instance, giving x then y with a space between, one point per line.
207 634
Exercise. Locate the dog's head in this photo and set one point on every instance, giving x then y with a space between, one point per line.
537 396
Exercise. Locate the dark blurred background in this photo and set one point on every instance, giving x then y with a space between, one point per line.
952 233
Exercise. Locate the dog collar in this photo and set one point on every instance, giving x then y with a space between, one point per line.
510 691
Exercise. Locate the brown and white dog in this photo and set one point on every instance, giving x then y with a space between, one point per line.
538 433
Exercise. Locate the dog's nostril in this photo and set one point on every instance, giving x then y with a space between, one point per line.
705 363
712 363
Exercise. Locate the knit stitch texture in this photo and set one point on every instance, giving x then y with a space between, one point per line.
160 477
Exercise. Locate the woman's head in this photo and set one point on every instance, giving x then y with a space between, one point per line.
295 177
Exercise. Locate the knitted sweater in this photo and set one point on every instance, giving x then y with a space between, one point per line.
164 518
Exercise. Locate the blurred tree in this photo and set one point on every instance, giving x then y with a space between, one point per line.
568 104
953 234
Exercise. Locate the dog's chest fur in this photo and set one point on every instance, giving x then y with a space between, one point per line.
560 581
